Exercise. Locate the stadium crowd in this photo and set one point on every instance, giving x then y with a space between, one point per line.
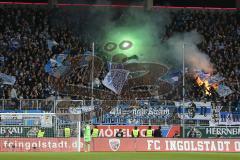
221 32
24 51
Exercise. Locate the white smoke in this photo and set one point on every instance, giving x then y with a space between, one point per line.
186 44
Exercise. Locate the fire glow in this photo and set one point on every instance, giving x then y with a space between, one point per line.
206 84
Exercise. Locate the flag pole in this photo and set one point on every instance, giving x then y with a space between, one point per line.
183 88
92 74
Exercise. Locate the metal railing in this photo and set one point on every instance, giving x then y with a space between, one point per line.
101 112
26 104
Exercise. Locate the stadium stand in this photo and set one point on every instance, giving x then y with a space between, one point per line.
24 37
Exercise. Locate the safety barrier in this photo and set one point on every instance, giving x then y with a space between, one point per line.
120 145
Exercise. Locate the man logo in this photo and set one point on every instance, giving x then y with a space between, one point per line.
114 144
197 132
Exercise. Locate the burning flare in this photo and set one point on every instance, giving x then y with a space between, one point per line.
206 84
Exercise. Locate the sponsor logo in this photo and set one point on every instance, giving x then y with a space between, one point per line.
211 132
11 130
114 144
223 131
197 132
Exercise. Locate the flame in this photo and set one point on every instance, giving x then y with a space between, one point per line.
207 86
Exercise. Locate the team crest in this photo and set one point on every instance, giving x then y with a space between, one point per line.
114 144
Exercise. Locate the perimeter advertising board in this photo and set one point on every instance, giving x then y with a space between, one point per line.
23 131
212 132
110 131
105 131
123 144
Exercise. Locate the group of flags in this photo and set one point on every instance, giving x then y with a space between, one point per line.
223 90
58 65
117 75
216 81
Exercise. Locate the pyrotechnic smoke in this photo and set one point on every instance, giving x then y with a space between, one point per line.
193 56
146 31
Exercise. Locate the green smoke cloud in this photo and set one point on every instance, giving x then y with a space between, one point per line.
145 30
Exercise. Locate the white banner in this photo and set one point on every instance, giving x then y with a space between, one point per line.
46 121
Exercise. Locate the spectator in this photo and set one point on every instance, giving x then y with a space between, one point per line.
158 132
135 132
14 97
119 134
24 52
95 132
149 132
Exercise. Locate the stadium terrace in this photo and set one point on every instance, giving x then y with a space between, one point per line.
119 78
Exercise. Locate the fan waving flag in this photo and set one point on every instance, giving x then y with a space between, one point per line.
51 43
61 57
55 68
173 76
115 80
215 79
7 79
224 90
202 75
59 65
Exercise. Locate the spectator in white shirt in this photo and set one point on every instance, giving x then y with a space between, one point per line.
14 97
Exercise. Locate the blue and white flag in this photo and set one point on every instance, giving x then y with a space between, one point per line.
7 79
202 75
224 90
215 79
51 43
112 65
55 68
115 80
61 57
173 76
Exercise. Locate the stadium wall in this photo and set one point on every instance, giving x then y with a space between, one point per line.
122 145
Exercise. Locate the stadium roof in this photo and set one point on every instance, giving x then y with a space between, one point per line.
195 4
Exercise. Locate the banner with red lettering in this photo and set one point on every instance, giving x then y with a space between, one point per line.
120 144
